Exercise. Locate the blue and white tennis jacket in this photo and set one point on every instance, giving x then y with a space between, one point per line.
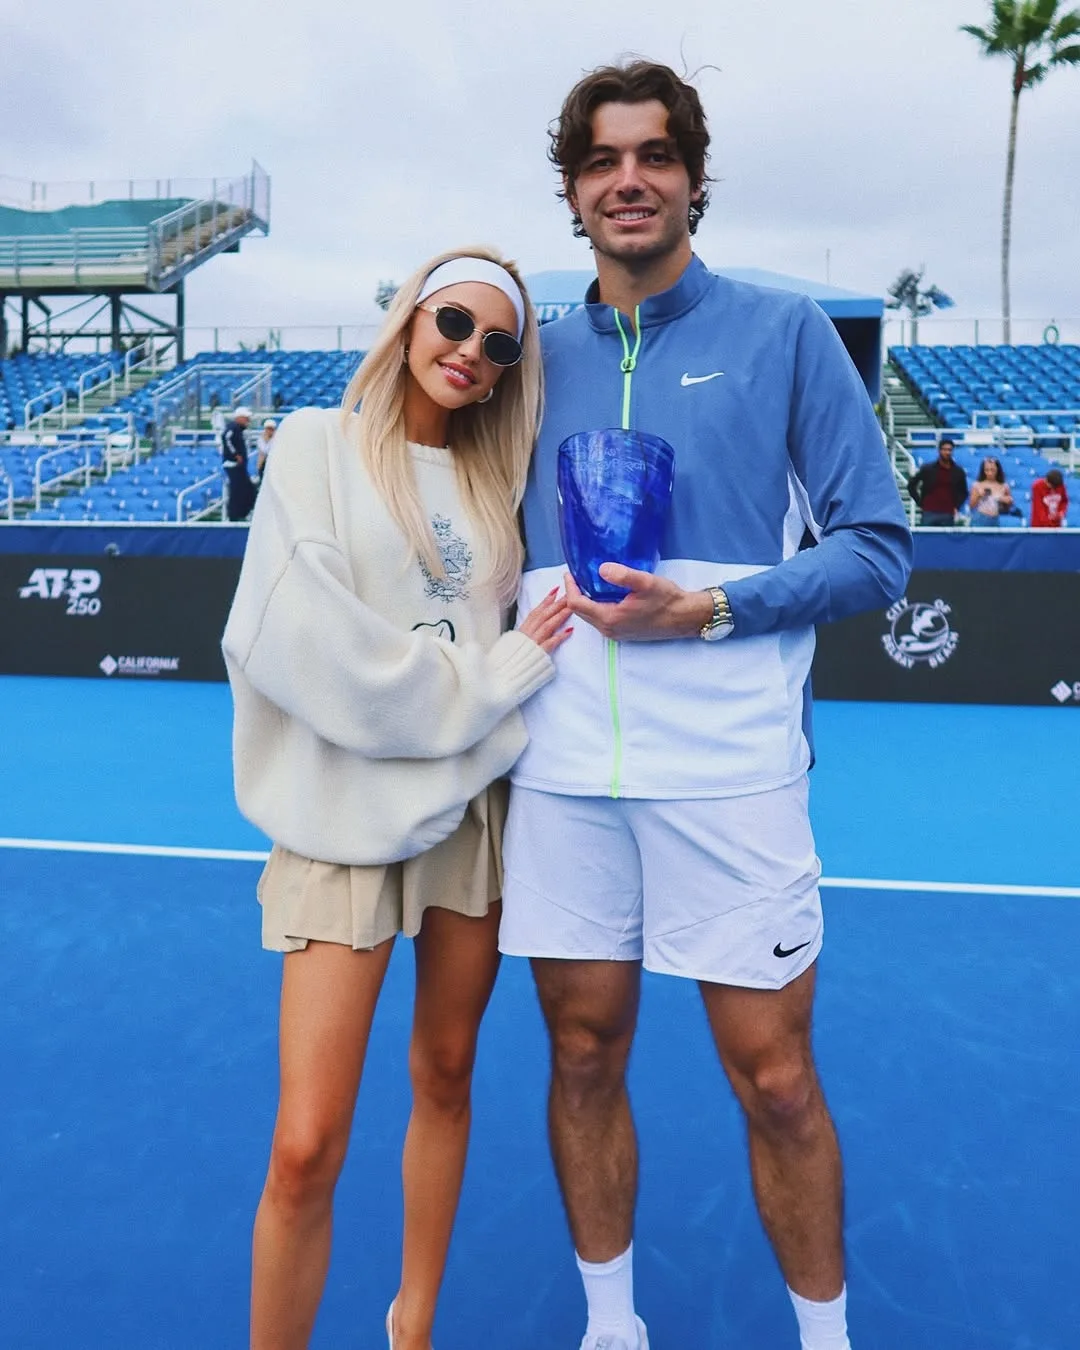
776 447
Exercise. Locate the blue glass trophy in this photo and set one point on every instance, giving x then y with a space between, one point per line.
614 491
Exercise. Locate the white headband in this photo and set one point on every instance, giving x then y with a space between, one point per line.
476 269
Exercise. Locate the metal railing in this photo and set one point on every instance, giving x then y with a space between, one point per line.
93 381
221 211
36 195
949 331
184 400
216 504
122 451
83 470
235 206
35 421
77 251
1060 446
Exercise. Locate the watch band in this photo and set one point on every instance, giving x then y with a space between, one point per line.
721 612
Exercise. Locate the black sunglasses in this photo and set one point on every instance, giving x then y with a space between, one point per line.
457 325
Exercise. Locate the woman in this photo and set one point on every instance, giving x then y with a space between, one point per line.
991 497
376 709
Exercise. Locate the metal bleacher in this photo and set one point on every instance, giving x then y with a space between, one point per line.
137 244
95 474
153 455
1017 404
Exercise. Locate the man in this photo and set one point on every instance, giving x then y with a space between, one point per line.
940 487
659 814
1049 501
239 489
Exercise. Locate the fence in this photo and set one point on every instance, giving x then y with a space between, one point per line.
25 258
35 195
941 330
181 402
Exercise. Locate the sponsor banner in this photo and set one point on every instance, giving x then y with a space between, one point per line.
114 617
955 637
960 637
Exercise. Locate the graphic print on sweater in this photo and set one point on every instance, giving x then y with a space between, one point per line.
440 628
457 561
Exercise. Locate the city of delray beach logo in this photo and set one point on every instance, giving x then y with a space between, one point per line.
919 634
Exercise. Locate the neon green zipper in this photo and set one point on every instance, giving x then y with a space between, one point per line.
627 366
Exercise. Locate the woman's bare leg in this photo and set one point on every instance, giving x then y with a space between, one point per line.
457 960
328 997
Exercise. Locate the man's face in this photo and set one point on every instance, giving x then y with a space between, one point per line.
945 450
632 190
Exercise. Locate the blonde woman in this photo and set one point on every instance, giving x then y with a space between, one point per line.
376 695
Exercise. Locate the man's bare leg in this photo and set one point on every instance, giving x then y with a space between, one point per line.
591 1012
763 1037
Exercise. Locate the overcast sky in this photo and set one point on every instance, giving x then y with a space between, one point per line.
391 130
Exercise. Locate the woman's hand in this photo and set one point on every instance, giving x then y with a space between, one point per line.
546 623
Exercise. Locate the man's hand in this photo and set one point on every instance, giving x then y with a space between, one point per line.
656 609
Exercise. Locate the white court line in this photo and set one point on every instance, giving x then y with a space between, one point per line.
948 887
256 855
139 850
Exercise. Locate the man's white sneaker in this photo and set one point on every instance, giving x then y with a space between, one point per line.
616 1342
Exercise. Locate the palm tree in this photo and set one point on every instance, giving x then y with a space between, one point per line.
907 292
1036 36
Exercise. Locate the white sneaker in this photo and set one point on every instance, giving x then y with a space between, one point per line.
606 1342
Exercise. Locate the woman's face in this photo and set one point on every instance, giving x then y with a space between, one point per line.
990 471
455 374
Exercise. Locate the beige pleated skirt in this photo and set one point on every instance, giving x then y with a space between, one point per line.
307 901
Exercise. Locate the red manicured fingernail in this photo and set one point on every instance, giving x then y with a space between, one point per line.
554 591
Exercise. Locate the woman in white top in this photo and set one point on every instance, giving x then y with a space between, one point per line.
377 692
262 446
991 497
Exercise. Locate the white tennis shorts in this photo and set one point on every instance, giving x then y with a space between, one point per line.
721 889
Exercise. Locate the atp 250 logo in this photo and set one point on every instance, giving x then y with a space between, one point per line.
919 634
77 585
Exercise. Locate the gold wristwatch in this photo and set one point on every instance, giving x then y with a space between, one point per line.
722 623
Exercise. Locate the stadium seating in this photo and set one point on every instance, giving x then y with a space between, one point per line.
146 491
300 379
25 377
1018 404
1036 388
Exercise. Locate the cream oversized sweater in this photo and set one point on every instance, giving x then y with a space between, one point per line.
372 699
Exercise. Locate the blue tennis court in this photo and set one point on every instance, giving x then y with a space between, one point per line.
137 1022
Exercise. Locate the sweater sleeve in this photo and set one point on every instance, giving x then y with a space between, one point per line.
863 553
306 642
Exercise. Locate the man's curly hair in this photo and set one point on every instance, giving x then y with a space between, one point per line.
637 81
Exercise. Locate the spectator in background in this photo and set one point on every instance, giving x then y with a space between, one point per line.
239 490
1049 501
940 487
991 497
262 448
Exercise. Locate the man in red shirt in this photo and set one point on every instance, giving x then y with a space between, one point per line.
1049 501
940 487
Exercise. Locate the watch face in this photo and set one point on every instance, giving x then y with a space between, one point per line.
716 631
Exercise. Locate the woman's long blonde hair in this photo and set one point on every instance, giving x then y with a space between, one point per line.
492 442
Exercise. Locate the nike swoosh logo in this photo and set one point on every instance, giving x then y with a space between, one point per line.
688 380
779 951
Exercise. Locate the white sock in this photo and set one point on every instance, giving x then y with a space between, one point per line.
822 1326
609 1293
